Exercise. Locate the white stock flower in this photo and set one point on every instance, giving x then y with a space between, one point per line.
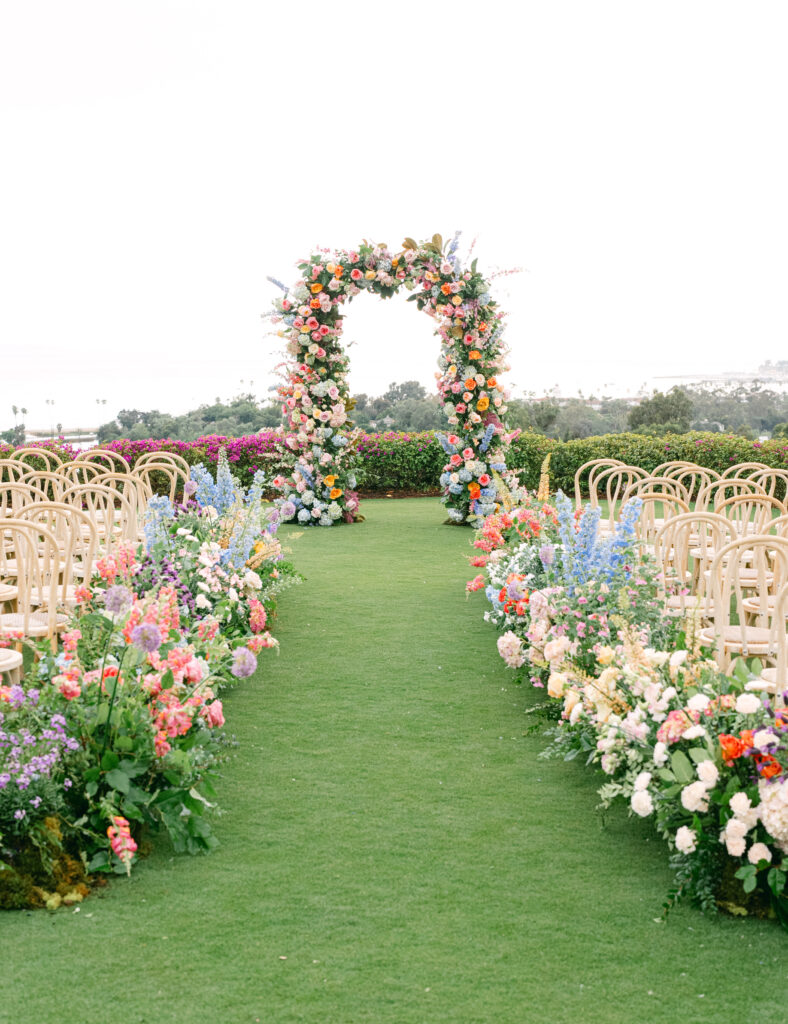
698 703
660 752
643 780
678 658
735 828
740 803
694 732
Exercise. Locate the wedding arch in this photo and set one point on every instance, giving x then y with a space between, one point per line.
320 485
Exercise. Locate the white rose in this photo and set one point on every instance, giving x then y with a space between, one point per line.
694 797
747 704
669 693
643 780
686 840
678 658
642 803
707 772
699 702
759 852
660 752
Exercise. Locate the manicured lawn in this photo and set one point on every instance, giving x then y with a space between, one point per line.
392 848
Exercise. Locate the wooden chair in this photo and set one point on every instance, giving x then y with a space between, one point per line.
14 495
12 471
11 663
110 461
48 483
168 472
684 548
592 469
672 467
182 464
693 479
750 513
744 469
50 458
38 568
612 483
112 512
767 558
774 679
656 510
773 481
81 472
713 495
77 537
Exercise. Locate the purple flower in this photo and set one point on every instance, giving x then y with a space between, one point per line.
547 554
189 488
117 599
146 637
244 663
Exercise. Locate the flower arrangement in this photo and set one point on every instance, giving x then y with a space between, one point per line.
633 692
320 485
120 727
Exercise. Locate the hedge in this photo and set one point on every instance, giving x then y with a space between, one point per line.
414 461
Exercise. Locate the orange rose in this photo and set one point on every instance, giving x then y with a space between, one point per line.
492 383
316 287
338 272
329 480
731 747
315 303
336 492
474 354
446 289
768 766
473 489
482 326
470 384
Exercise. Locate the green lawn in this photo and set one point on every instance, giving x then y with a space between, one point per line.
392 849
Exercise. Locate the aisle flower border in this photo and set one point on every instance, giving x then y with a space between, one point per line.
320 488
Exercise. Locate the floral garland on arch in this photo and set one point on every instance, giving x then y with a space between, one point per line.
320 487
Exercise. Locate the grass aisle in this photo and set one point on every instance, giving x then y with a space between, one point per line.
392 850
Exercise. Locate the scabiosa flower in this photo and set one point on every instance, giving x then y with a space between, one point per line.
147 637
117 599
244 663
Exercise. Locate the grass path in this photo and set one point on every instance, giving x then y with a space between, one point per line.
392 849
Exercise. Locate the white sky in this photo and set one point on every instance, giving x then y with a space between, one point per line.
159 159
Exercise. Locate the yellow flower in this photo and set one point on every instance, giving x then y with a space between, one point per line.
336 492
370 275
329 480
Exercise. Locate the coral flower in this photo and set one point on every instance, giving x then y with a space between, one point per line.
316 287
492 383
731 747
470 384
336 492
474 354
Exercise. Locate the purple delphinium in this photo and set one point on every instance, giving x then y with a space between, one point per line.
117 599
244 663
146 637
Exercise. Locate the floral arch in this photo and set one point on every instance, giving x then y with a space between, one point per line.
320 486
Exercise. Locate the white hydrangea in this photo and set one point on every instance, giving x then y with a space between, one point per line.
333 511
694 797
686 840
774 810
642 803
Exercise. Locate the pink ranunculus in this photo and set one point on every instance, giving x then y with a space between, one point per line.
461 407
485 479
456 387
355 274
468 453
70 688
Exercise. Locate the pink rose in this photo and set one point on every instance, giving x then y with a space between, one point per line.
485 479
455 460
355 274
213 714
461 407
468 453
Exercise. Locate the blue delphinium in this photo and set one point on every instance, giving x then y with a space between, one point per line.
159 512
584 555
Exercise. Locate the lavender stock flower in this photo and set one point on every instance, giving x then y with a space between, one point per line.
244 663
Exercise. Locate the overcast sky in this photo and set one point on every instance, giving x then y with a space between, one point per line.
159 159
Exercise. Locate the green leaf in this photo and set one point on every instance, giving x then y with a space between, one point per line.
699 754
124 743
682 767
118 780
109 761
666 775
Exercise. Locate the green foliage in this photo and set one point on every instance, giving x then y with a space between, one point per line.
671 410
241 415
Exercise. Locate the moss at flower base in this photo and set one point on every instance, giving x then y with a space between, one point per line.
42 869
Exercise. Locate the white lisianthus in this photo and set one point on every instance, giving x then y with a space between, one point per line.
747 704
686 840
764 738
759 852
708 773
660 752
642 803
678 658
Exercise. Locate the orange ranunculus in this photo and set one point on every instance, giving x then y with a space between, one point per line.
482 327
329 480
314 303
483 404
446 289
474 354
336 492
746 736
768 766
492 383
316 287
731 747
474 489
395 261
338 272
470 384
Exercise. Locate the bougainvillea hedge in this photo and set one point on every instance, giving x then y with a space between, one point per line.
413 461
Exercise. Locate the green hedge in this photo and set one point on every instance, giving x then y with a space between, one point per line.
414 461
714 451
